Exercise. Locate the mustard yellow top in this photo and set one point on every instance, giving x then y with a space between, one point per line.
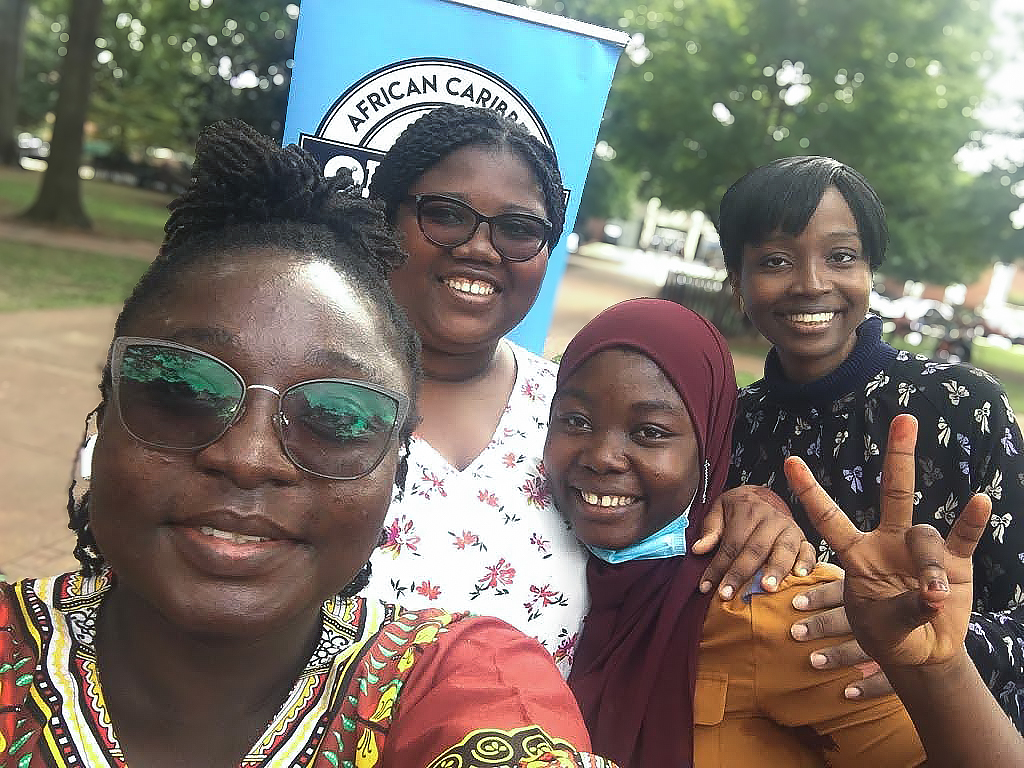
760 702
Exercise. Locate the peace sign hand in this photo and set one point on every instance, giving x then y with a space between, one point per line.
908 593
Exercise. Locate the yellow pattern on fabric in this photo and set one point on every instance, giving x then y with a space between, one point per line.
528 747
386 705
367 751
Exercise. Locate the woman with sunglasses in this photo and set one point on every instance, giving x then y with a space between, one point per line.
254 419
479 202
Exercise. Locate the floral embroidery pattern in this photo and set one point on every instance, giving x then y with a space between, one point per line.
543 545
428 590
536 492
498 576
468 539
400 535
487 498
542 598
428 484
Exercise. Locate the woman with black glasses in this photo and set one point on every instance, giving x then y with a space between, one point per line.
479 203
254 419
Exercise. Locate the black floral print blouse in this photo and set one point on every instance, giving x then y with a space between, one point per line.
968 441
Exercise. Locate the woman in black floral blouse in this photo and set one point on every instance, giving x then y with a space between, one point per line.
802 237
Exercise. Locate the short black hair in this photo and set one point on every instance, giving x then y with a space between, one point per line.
247 192
783 195
448 128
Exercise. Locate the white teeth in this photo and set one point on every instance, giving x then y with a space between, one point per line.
606 501
475 287
816 317
237 538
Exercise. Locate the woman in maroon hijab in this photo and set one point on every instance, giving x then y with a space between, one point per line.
641 428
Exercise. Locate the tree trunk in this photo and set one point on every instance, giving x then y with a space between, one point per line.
60 195
13 14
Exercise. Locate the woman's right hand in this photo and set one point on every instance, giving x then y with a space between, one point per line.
908 593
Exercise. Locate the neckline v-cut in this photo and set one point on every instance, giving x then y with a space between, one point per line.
499 427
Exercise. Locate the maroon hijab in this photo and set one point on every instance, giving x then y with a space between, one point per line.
635 667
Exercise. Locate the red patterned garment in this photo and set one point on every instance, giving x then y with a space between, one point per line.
382 688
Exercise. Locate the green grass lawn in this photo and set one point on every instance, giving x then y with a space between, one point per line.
116 210
992 358
743 379
40 277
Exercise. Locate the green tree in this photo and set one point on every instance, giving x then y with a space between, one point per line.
610 191
207 60
59 200
721 86
13 15
167 68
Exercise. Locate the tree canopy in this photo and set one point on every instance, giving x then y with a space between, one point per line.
168 68
713 88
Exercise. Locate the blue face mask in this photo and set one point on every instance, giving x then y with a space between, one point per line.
670 541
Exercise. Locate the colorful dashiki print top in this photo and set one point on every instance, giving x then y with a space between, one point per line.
968 441
383 689
488 539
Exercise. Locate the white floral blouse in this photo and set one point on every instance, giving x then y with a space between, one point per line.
487 538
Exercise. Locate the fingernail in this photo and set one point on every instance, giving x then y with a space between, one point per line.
801 571
819 660
936 585
852 693
800 602
770 582
798 631
705 586
726 592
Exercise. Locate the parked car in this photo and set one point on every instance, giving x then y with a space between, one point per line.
33 147
164 175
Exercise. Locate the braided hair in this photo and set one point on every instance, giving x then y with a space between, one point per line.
448 128
247 192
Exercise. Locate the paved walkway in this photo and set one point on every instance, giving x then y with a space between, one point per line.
50 364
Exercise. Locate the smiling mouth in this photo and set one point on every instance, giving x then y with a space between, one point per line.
811 318
235 538
607 501
472 287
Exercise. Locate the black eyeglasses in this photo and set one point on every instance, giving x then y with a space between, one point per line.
172 396
449 222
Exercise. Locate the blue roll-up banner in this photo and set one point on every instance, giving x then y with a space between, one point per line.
363 71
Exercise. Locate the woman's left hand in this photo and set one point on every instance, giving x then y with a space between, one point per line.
830 620
753 530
